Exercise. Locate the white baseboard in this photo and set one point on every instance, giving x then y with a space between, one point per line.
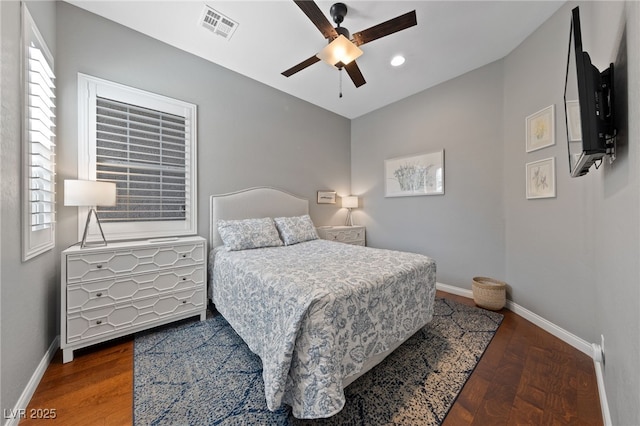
14 417
565 336
604 405
455 290
562 334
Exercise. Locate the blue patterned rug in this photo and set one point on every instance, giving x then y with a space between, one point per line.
202 373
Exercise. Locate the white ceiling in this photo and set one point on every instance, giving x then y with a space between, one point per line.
451 38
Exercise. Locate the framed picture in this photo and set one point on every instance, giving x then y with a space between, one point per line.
573 121
541 179
326 197
420 174
541 129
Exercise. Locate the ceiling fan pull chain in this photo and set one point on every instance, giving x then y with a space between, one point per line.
340 73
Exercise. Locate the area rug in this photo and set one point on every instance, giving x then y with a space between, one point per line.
202 373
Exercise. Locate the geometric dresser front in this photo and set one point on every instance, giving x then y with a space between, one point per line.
124 287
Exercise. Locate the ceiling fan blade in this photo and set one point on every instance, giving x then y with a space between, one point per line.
391 26
316 16
354 72
302 65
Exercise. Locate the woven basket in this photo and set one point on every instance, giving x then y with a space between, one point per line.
489 293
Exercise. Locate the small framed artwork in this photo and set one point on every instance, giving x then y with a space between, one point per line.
541 179
541 129
420 174
574 126
326 197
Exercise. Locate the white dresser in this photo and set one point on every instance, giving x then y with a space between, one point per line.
119 289
345 234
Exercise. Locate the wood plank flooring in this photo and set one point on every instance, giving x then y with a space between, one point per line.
526 377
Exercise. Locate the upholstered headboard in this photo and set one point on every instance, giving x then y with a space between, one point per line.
252 203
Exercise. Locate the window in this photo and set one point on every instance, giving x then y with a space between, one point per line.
146 144
38 210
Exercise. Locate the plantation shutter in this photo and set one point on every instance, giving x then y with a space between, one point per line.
41 134
145 143
144 151
38 131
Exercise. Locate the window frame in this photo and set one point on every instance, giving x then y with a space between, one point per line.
89 88
35 241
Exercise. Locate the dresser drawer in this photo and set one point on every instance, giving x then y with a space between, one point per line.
100 322
94 294
105 264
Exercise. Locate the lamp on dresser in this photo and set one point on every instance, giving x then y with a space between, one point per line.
89 193
350 202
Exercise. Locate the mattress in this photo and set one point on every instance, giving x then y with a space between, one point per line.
316 312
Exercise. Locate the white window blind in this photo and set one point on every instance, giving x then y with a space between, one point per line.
143 152
38 142
145 143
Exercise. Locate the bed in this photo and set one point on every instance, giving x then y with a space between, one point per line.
318 313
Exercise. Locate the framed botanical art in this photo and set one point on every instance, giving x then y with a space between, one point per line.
541 179
540 128
421 174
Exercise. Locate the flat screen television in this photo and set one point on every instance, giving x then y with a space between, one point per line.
588 101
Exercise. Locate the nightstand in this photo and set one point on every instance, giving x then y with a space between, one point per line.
345 234
125 287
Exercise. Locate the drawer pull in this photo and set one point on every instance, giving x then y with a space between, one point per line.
99 266
184 255
184 278
184 301
99 322
98 294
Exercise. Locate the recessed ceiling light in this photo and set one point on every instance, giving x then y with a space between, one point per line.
397 60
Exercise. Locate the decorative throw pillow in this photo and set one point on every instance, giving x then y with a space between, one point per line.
248 233
296 229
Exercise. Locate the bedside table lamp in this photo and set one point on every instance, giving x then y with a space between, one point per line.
350 202
89 193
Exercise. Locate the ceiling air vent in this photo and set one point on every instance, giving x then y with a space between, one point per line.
218 23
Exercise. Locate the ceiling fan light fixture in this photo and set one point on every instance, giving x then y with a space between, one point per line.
397 60
340 51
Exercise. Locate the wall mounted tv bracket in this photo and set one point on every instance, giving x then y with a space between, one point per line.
605 102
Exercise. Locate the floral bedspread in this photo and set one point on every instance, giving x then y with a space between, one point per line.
316 311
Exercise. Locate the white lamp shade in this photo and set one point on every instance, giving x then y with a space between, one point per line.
89 193
340 50
350 202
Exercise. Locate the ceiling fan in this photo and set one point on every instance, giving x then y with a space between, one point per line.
342 50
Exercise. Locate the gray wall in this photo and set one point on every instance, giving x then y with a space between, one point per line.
463 229
28 322
617 279
572 259
248 134
550 243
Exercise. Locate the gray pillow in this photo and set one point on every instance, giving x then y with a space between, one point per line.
296 229
248 233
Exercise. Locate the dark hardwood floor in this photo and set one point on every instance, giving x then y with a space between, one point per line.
526 377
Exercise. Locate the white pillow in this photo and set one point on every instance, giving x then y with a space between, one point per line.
296 229
248 233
